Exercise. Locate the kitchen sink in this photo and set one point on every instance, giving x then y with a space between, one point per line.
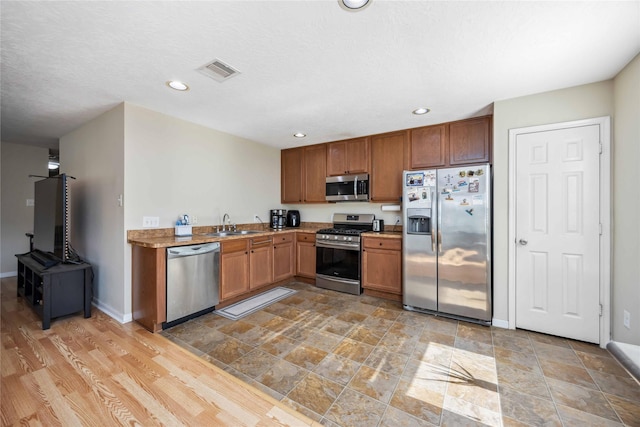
232 233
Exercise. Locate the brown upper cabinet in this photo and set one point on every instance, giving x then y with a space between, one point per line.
291 175
470 141
348 157
315 174
384 157
428 147
451 144
303 174
387 164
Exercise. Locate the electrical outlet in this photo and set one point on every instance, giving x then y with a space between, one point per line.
627 319
150 221
194 220
31 202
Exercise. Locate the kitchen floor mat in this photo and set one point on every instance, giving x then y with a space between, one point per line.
258 302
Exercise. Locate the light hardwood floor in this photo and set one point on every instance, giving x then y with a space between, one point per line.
98 372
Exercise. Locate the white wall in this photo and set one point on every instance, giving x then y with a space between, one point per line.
94 155
18 162
580 102
173 167
626 196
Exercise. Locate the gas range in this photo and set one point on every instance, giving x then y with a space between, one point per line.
346 228
338 252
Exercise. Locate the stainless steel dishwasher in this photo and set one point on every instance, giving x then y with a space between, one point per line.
193 286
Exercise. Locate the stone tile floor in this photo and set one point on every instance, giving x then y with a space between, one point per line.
348 360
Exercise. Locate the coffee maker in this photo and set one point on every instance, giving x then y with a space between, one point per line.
278 218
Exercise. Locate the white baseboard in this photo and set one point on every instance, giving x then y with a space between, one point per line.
8 274
114 314
499 323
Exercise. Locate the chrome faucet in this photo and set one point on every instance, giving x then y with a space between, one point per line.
225 218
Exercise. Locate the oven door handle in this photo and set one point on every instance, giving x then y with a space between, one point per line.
338 245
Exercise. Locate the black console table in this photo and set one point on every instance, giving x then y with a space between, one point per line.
55 291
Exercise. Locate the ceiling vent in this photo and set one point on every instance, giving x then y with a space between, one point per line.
218 70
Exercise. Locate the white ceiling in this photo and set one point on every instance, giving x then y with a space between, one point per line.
306 66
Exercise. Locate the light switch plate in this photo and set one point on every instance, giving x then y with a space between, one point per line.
31 202
627 319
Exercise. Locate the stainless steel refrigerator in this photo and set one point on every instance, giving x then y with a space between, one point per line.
446 262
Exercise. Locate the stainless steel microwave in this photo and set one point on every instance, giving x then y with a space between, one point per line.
348 188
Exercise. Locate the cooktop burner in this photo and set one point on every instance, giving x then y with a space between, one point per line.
348 225
341 231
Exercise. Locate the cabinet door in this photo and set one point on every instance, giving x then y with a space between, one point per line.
357 155
283 261
382 270
315 173
336 158
427 147
234 270
291 175
306 255
470 141
261 266
387 164
348 157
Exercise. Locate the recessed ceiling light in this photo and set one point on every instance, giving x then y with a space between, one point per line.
299 135
177 85
353 5
420 111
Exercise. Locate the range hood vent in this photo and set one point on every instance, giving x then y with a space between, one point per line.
218 70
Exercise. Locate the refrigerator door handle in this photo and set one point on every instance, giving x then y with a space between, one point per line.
433 240
439 224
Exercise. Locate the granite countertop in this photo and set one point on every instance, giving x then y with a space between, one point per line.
164 238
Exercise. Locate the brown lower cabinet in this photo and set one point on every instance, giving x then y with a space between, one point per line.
234 268
245 265
283 257
149 286
382 264
306 255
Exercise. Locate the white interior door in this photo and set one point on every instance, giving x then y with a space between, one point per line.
558 232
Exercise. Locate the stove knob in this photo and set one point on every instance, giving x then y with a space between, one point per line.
350 239
335 237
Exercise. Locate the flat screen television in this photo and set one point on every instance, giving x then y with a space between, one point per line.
51 229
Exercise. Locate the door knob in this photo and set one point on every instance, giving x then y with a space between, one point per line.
523 242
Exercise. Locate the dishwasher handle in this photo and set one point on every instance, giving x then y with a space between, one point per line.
184 251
